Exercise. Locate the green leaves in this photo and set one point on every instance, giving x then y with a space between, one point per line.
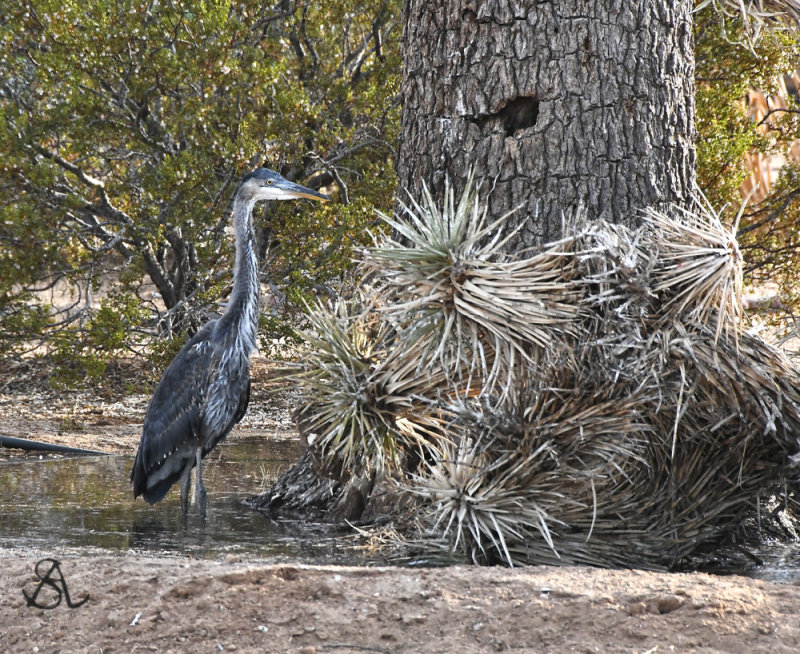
125 127
725 72
732 66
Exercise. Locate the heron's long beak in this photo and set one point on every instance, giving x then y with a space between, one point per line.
293 190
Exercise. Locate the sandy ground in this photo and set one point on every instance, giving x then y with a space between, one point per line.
174 605
139 603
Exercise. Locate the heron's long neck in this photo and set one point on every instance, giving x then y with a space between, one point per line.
241 316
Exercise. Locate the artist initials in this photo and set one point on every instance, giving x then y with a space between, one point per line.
58 584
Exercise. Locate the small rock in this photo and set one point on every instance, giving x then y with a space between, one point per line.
668 603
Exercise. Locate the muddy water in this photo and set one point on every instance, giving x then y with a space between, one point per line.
79 505
85 504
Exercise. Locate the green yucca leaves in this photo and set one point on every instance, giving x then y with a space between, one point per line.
359 407
461 299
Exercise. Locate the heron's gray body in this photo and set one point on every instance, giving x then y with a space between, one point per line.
205 390
200 398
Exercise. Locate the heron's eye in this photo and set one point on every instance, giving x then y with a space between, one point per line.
270 182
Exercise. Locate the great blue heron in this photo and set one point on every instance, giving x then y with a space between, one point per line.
205 390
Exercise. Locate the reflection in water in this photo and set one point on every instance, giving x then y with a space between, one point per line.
86 503
77 505
780 562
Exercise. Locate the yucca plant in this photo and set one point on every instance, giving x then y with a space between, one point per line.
461 300
578 405
526 473
476 504
359 409
699 266
640 431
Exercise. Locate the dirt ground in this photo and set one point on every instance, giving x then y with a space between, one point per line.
177 605
140 603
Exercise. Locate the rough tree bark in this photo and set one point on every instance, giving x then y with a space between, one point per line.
557 105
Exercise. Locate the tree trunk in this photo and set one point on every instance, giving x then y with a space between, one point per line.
556 105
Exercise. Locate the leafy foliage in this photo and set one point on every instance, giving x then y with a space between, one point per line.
729 66
126 125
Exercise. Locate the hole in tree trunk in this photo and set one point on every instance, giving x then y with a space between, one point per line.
516 115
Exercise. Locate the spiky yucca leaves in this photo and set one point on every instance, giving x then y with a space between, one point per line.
359 409
724 423
633 443
612 266
725 418
750 389
699 266
639 437
460 299
648 438
473 506
526 480
587 472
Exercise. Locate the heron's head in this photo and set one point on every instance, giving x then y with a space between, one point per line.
266 184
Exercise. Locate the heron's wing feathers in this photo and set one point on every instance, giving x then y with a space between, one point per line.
237 394
243 402
173 423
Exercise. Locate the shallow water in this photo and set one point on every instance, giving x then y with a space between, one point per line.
781 562
84 504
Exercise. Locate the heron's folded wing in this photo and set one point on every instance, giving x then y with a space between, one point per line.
172 424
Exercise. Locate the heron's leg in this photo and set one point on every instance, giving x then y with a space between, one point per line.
200 489
186 480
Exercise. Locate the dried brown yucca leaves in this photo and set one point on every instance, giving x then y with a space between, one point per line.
359 410
460 297
473 506
520 478
606 474
579 405
699 265
714 418
752 387
614 267
757 11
